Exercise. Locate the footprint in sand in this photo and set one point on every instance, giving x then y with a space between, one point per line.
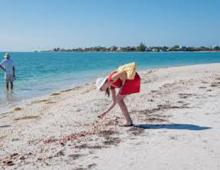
109 139
204 82
112 141
88 90
75 156
146 81
173 138
150 100
136 131
55 94
39 101
215 84
4 126
155 119
68 90
26 118
92 165
2 137
17 108
185 95
153 91
50 102
78 110
86 146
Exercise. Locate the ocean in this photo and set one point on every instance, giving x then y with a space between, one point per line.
41 73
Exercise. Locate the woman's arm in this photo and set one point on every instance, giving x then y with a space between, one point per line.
122 75
112 105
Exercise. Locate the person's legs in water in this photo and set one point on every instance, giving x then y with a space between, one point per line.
9 81
12 85
124 109
7 85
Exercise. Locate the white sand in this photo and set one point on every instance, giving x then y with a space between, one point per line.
177 115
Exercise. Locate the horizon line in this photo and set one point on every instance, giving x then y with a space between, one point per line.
43 50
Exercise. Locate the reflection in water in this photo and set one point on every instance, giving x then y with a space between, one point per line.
10 96
7 99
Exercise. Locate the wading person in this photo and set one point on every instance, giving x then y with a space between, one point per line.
127 81
7 65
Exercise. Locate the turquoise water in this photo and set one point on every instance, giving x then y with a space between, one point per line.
42 73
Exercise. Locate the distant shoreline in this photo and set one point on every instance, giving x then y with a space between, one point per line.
140 48
128 51
36 51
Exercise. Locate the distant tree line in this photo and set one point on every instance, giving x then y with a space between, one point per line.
140 48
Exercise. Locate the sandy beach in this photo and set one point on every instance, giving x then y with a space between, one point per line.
176 117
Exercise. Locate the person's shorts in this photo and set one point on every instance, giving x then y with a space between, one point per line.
9 78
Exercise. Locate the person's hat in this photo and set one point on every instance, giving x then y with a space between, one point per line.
100 82
6 56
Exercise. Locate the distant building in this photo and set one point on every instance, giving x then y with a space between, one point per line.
118 49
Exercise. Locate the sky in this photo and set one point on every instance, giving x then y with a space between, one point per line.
27 25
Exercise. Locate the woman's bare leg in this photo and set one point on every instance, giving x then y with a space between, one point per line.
124 109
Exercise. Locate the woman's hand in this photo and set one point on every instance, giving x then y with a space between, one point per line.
113 94
102 115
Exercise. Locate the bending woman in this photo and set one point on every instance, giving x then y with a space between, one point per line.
127 84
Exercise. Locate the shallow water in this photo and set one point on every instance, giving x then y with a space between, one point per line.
44 72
